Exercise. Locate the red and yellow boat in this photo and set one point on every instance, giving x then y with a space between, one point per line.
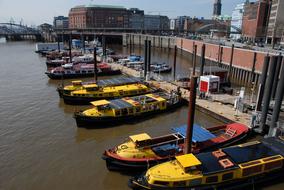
141 151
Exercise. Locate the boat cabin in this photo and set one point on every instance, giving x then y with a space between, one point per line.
91 87
189 163
77 83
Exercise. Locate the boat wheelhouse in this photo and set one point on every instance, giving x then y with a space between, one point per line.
250 161
113 112
143 151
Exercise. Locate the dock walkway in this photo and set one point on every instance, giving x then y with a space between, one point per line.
223 112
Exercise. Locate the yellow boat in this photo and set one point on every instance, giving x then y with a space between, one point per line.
250 161
118 111
86 93
79 84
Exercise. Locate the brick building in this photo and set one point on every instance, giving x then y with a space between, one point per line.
255 20
98 16
276 22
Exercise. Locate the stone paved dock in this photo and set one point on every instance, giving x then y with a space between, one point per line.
222 112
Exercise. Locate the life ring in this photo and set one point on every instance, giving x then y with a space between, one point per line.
123 147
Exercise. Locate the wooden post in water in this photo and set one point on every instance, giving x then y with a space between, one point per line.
70 48
175 62
95 64
231 63
202 59
58 43
191 113
145 57
194 60
149 57
104 47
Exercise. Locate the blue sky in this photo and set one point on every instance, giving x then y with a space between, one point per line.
34 12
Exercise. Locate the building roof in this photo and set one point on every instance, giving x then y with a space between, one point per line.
100 6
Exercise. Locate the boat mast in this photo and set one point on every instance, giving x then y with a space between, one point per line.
191 111
95 63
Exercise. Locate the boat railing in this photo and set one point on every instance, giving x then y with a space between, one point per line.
175 138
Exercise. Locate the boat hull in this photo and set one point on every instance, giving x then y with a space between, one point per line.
82 75
258 182
102 122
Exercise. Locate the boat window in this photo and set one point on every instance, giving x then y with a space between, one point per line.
77 72
124 111
138 109
117 112
227 176
161 183
133 92
252 170
212 179
130 110
195 182
273 165
83 71
180 183
100 95
89 71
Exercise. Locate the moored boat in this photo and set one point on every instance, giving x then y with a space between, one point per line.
79 85
80 70
141 151
161 68
253 161
93 92
113 112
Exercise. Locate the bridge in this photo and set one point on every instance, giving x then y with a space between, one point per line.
13 31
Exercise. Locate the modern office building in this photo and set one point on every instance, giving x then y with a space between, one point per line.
61 22
237 21
136 18
275 28
156 22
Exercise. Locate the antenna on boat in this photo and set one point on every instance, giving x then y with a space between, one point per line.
191 113
95 63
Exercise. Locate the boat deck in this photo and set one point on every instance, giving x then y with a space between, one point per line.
211 165
115 81
241 154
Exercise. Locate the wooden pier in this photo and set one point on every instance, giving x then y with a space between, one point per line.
223 112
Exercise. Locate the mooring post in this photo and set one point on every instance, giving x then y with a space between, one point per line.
145 57
277 104
83 42
276 76
149 57
95 64
267 93
202 59
221 55
175 62
104 47
194 60
58 43
70 48
231 63
262 83
252 77
191 113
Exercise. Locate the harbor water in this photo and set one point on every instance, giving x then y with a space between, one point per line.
40 146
